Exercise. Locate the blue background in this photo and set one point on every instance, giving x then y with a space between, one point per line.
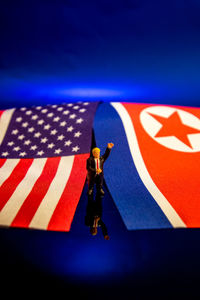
63 51
135 50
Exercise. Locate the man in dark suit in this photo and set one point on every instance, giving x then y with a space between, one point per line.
95 169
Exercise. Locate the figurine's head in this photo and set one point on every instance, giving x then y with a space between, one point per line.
96 152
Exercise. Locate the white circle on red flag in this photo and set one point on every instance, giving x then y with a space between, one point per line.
173 128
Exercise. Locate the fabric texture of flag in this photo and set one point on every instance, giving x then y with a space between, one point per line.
43 152
153 172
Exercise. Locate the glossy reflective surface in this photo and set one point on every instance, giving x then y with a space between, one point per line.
62 51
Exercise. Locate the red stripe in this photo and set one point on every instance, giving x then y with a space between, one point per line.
1 112
66 207
9 185
33 200
2 162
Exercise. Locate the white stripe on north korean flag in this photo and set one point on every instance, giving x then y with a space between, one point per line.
163 203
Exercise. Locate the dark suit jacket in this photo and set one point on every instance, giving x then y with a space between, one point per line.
91 163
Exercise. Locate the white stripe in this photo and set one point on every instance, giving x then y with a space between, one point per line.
23 189
166 207
4 122
45 210
7 169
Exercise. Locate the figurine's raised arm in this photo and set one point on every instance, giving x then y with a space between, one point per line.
107 152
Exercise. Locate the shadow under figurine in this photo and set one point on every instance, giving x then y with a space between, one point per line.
93 217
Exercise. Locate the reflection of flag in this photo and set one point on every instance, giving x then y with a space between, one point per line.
43 155
153 172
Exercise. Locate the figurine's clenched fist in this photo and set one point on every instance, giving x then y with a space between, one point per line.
110 145
98 171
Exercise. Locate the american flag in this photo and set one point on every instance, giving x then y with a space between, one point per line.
43 152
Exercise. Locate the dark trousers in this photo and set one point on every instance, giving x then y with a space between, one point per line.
97 179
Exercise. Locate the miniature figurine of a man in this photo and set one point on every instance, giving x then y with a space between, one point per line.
95 169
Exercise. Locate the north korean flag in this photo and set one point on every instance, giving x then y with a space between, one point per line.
153 171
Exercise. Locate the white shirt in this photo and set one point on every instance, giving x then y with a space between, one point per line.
96 163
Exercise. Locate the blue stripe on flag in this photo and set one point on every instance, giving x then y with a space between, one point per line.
135 204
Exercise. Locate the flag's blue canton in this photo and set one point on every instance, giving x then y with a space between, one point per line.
52 130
